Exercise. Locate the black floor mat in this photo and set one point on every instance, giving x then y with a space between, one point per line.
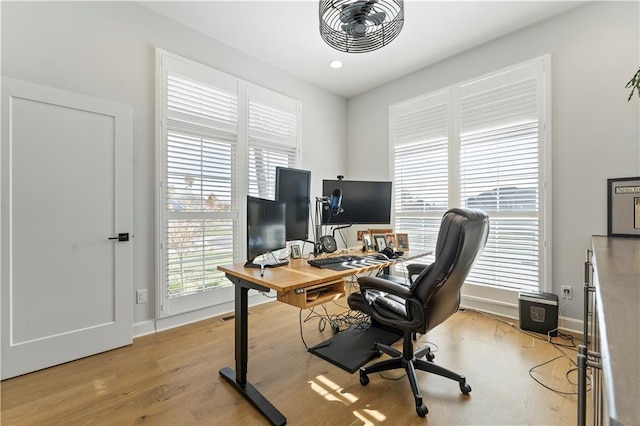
353 347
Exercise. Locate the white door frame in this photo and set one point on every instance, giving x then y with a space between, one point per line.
26 351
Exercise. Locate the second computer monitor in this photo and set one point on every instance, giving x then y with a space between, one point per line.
293 186
363 202
265 226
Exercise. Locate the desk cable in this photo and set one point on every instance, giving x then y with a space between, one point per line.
337 322
572 346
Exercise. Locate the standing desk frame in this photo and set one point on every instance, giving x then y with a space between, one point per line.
238 378
298 274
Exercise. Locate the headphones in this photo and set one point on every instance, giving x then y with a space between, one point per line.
388 251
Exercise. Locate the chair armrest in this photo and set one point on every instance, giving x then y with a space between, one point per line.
416 269
409 320
375 283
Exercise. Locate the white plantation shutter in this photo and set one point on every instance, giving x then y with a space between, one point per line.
201 213
421 170
263 161
273 138
499 173
489 155
221 139
201 207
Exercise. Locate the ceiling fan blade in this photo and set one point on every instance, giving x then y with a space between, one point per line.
351 11
376 18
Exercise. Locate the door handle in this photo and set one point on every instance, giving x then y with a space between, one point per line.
123 236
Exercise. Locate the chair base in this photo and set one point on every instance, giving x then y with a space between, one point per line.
410 362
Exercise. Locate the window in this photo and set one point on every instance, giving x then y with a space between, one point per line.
220 139
272 140
481 144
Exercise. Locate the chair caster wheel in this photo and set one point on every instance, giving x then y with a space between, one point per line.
430 356
422 410
364 379
465 388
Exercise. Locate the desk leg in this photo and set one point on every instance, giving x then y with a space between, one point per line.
238 378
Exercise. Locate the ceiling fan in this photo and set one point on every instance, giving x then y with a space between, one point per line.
361 25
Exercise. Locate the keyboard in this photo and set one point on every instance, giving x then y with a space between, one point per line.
329 262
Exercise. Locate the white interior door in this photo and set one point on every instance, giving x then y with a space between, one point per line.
66 188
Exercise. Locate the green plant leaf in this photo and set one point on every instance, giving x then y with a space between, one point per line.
634 84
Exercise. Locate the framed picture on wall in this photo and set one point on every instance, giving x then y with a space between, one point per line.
623 207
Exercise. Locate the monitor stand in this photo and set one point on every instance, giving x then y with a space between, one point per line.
266 263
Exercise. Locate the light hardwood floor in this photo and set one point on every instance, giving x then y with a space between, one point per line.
171 378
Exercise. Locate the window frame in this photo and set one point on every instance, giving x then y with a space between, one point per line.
222 296
541 67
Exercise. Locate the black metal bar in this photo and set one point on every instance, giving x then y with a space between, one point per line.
238 378
241 333
256 399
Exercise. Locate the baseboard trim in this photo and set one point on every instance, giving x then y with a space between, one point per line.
147 327
488 306
144 328
512 311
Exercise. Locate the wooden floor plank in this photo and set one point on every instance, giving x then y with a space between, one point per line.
171 378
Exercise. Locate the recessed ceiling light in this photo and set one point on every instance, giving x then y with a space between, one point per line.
335 64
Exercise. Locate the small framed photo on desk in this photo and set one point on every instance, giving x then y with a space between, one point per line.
295 252
368 243
402 242
380 241
391 240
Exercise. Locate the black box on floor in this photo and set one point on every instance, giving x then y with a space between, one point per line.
539 312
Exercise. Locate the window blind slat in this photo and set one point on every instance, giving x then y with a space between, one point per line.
499 172
262 168
271 124
202 166
495 137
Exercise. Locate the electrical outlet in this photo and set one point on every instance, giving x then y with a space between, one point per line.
141 296
567 292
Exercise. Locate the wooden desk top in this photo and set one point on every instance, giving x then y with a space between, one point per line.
299 274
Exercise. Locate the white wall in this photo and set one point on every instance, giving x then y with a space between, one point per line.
595 134
106 50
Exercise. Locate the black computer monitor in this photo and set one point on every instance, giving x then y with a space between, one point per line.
265 226
363 202
293 186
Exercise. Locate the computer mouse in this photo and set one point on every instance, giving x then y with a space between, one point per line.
381 256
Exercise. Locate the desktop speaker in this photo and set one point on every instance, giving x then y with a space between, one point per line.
539 312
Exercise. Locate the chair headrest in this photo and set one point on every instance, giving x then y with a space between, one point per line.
461 238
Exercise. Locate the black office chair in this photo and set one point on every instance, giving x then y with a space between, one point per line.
432 296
